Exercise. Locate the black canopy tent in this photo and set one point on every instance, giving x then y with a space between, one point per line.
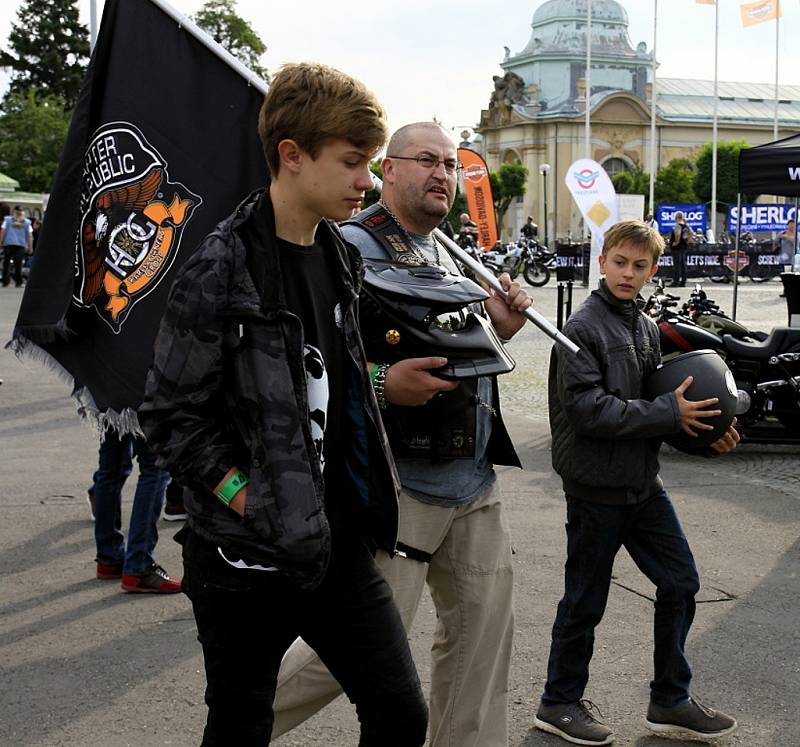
772 168
768 169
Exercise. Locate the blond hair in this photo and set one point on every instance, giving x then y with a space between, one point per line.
634 232
313 104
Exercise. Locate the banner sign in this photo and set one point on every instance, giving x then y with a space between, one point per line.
478 193
596 198
695 214
718 260
760 217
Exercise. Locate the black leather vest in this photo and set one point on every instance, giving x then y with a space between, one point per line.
445 427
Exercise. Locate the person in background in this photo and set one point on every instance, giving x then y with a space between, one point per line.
530 230
788 244
133 562
652 222
16 238
678 245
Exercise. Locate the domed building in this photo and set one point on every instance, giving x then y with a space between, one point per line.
537 110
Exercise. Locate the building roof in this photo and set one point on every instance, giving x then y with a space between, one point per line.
7 184
602 10
559 30
688 100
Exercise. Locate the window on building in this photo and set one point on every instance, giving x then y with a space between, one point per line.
615 166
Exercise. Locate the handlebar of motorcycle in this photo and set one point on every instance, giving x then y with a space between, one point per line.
488 277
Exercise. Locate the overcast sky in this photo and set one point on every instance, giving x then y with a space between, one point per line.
437 57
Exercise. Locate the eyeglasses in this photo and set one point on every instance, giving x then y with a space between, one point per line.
429 162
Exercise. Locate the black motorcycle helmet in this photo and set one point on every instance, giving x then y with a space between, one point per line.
712 378
415 311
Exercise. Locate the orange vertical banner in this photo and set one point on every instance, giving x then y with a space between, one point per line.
478 191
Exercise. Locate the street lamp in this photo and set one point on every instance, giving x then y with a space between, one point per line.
544 170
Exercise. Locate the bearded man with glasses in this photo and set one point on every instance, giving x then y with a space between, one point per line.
453 532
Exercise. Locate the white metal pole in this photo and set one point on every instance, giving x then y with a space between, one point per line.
92 24
715 134
587 127
653 114
587 77
777 30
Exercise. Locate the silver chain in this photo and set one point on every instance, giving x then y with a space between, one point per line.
417 252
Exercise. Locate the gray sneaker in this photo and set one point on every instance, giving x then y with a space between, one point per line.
689 718
573 722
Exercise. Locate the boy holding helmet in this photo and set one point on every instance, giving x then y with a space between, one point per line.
606 440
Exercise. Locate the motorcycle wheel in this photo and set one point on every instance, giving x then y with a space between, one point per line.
758 273
536 275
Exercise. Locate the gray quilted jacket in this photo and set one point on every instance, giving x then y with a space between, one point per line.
605 438
228 387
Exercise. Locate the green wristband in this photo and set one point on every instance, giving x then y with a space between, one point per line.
373 372
232 486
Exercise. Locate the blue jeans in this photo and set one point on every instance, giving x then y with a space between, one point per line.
113 469
652 535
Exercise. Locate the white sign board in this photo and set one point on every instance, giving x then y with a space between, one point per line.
630 207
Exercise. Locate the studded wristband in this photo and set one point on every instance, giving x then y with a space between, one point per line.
379 383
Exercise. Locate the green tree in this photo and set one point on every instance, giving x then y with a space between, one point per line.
675 182
33 128
727 173
49 50
372 196
508 182
226 27
635 181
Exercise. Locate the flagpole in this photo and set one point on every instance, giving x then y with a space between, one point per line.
653 113
588 80
185 23
92 24
777 30
715 134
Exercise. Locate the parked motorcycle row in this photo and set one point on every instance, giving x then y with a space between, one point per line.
526 257
765 366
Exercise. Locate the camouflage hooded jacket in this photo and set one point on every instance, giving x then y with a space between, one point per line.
228 388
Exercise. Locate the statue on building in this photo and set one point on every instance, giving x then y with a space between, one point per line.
508 90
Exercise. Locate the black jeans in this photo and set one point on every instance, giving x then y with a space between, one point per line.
246 619
15 254
652 535
679 266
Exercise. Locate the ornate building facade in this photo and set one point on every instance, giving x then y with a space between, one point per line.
537 109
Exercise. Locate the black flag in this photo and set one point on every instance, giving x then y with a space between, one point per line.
162 146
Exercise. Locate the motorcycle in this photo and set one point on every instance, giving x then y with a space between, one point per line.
766 372
526 257
702 310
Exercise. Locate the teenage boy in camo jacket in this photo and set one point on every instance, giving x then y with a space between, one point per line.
259 401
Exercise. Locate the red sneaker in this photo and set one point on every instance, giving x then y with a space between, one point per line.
155 581
108 571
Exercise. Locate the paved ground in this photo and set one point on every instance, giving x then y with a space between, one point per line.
81 663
